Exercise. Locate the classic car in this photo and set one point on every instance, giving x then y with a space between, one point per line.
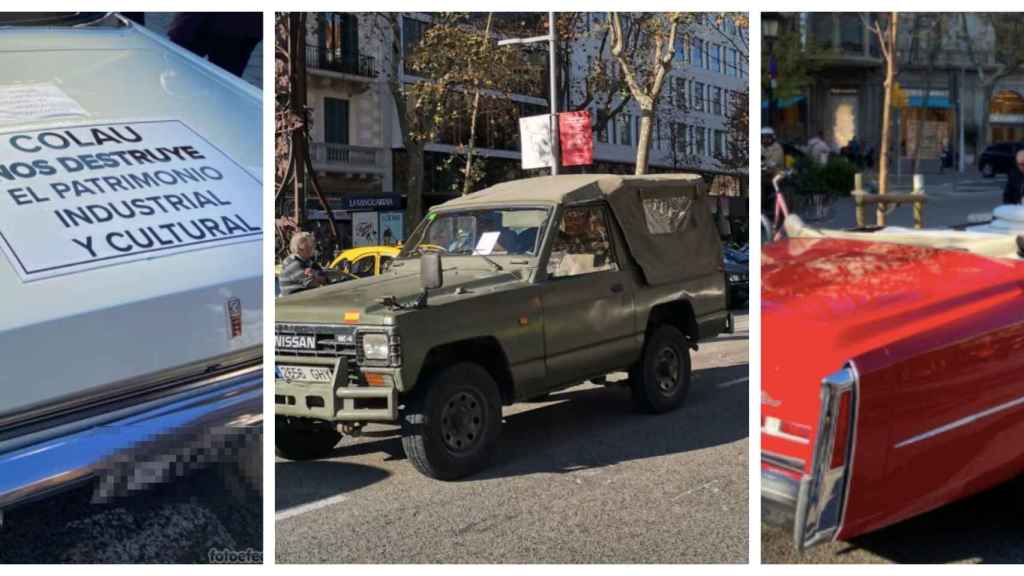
365 261
130 273
500 296
892 375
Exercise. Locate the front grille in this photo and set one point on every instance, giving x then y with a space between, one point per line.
331 341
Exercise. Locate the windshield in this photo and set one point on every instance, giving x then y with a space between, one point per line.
58 19
488 232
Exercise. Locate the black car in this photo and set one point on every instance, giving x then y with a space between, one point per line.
998 158
737 276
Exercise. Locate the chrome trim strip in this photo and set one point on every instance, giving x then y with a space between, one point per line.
109 446
962 422
822 499
146 385
787 462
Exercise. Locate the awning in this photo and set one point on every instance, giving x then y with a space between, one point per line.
933 102
784 103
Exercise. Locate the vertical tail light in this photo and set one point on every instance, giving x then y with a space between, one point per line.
842 426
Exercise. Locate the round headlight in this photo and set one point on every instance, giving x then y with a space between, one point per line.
375 346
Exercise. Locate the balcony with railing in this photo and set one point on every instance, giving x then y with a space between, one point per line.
335 60
344 158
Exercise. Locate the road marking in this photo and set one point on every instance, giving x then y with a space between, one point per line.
286 514
734 382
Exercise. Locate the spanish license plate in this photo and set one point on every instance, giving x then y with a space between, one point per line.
305 373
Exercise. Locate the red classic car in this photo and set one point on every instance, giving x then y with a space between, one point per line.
892 378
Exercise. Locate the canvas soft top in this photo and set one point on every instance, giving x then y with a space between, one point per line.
660 215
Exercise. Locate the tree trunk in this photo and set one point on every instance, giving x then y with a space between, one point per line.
988 90
643 143
414 195
472 122
890 74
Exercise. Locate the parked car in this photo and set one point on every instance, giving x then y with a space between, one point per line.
365 261
130 283
892 378
998 158
504 295
737 275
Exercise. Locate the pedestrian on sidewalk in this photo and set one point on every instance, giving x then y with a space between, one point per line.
299 271
1014 190
819 149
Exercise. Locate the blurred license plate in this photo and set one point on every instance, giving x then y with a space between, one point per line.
305 373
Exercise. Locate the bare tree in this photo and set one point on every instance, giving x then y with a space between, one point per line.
887 41
646 73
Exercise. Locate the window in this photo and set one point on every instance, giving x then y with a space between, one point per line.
335 121
698 96
679 138
637 131
602 134
697 53
385 263
582 244
679 92
719 144
626 130
716 100
666 215
412 34
364 266
698 141
681 47
732 63
715 57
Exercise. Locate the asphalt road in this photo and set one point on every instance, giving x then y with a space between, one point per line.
579 478
988 528
181 522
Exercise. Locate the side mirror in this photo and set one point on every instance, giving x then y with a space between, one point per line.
431 276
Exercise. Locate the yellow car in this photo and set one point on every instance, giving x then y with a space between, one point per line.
365 260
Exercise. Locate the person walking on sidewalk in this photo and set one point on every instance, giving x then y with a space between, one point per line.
1014 190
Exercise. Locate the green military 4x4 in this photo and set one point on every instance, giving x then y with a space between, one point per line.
503 295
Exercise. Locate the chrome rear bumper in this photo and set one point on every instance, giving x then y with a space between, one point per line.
132 447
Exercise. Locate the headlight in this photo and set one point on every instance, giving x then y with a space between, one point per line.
375 346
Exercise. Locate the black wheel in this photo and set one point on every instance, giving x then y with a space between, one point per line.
450 426
661 380
304 443
988 170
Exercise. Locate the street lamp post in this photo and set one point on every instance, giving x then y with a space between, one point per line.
769 32
552 39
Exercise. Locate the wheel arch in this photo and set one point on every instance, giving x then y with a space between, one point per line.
485 351
678 313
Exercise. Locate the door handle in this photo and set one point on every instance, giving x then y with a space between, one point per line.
618 288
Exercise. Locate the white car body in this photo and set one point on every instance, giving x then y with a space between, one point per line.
112 363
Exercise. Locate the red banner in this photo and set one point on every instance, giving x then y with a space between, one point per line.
575 138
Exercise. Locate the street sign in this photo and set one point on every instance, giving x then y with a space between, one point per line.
576 138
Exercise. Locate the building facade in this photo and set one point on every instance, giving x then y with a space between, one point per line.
356 142
943 99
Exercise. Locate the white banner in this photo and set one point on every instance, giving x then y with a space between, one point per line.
535 136
80 197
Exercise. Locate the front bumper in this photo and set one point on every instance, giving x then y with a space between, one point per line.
337 401
211 419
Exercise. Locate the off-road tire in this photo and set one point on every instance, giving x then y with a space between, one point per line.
451 423
296 443
664 347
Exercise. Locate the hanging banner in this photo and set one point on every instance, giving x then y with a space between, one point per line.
535 136
391 228
576 138
364 229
